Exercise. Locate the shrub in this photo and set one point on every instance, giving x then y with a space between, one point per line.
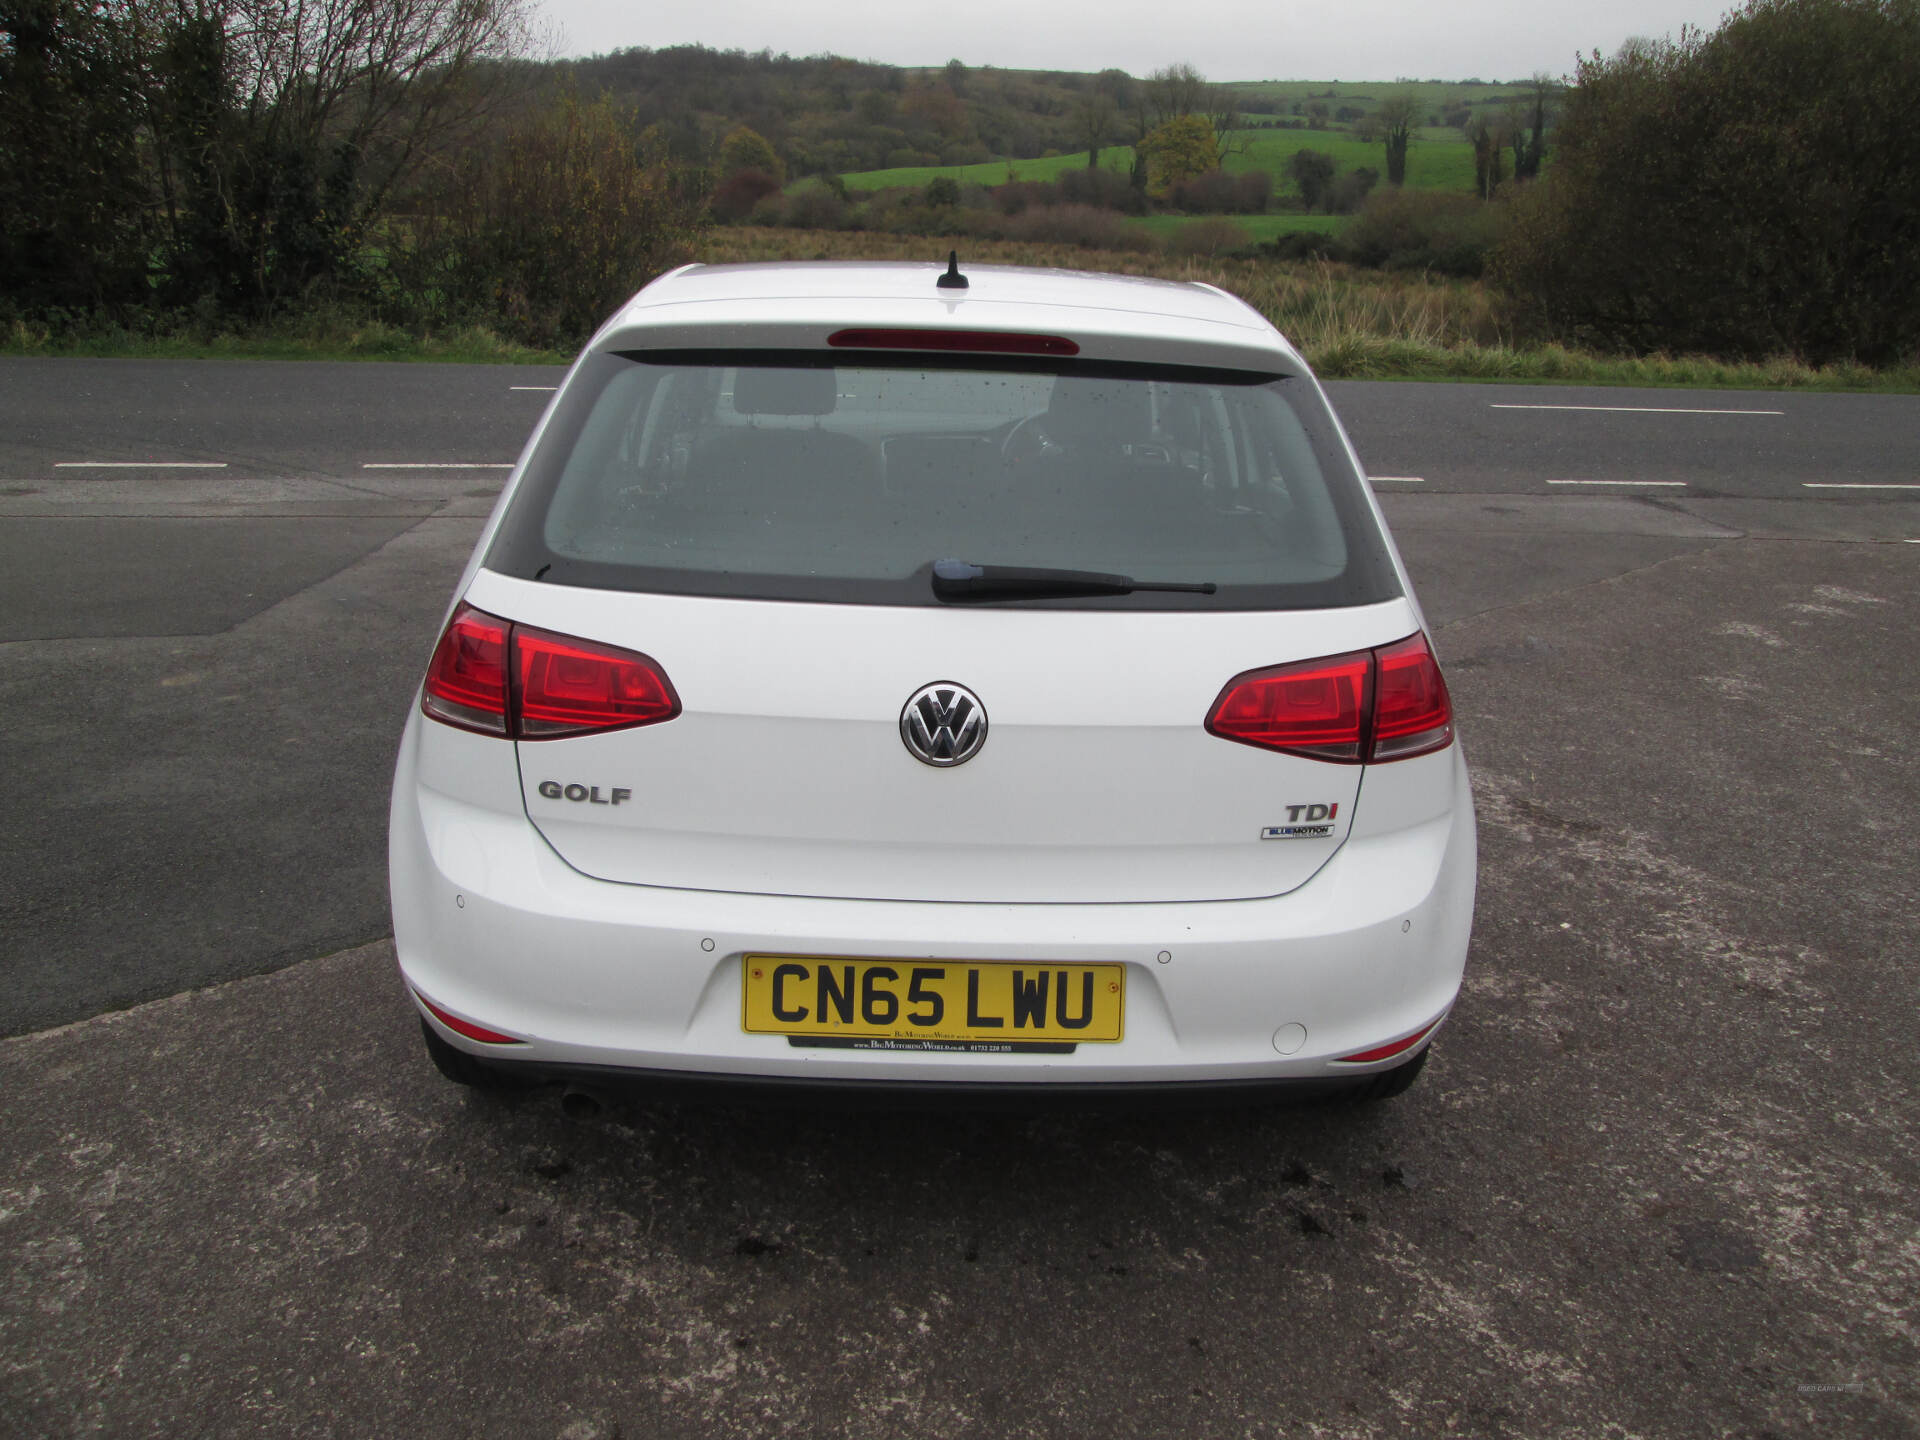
1349 192
1423 230
1015 196
943 190
1749 192
1312 173
1106 189
739 193
747 149
1252 190
1209 237
1080 225
1218 193
814 205
1301 245
548 230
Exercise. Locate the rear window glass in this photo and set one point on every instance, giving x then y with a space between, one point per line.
845 477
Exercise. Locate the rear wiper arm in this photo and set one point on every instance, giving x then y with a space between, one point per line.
956 581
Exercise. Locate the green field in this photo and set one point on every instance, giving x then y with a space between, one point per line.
1434 95
993 172
1432 163
1437 160
1258 227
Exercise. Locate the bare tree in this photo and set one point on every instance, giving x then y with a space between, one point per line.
1393 122
1179 89
1093 119
1489 135
1176 90
1528 118
382 79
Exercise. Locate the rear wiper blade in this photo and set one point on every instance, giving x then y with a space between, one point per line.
956 581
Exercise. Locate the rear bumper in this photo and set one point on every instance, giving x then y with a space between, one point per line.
818 1093
598 979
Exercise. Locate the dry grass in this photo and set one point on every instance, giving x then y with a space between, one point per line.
1349 323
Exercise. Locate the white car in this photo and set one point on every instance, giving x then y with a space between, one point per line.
876 677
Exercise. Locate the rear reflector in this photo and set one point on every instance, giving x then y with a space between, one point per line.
1367 707
1387 1052
969 342
556 686
467 1027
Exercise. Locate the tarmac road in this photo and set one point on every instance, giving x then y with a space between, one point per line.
1657 1181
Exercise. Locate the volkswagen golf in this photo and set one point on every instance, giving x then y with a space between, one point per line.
889 679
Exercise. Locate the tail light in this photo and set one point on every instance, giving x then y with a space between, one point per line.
498 678
467 677
1364 708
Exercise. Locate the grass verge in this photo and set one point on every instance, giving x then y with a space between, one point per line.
1350 323
329 338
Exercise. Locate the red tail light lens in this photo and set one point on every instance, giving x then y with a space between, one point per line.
1318 708
560 686
1366 707
574 687
1412 712
467 677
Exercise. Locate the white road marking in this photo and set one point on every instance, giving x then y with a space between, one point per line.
139 464
1397 479
431 465
1636 410
548 388
1859 485
1639 484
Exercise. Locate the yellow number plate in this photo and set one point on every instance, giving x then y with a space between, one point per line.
922 1003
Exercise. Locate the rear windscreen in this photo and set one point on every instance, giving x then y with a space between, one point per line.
843 478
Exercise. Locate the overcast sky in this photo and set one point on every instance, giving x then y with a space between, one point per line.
1224 39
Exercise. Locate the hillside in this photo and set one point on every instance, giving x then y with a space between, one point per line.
883 125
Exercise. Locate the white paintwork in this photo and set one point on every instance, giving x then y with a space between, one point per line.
781 812
492 925
786 775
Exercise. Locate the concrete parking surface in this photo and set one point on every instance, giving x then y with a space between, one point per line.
1658 1180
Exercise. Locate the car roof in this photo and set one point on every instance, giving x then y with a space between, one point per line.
799 304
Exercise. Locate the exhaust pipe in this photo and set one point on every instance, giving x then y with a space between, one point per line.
579 1104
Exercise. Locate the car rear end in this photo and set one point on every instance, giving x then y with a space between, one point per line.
867 684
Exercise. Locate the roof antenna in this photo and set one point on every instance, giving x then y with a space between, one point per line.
953 279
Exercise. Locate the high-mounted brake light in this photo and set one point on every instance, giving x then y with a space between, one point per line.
967 342
555 685
1366 707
